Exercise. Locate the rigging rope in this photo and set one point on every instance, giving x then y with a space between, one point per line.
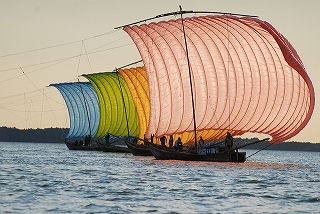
260 150
30 80
79 61
54 46
67 58
87 56
42 92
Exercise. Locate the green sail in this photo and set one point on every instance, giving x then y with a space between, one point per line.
118 115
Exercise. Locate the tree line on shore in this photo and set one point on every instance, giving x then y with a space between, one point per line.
47 135
53 135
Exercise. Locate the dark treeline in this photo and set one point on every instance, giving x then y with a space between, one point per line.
53 135
47 135
287 146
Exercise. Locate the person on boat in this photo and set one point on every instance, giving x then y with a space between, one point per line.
86 140
171 141
80 143
229 141
163 140
89 140
152 136
145 140
107 139
201 142
76 143
178 145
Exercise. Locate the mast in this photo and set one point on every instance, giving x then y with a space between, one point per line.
125 109
191 88
85 104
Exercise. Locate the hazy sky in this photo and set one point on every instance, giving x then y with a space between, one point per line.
41 42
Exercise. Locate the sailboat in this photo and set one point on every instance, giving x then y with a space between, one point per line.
118 115
220 73
138 148
83 117
84 114
111 147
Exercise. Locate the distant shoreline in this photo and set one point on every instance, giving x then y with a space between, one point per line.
53 135
47 135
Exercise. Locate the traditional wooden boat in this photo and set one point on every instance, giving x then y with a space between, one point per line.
211 153
138 149
84 118
226 156
243 75
113 148
73 146
239 70
90 145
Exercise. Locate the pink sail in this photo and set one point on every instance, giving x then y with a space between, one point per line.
246 77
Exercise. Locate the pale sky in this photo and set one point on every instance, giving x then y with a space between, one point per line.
41 40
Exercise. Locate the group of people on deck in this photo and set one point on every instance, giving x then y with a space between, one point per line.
177 145
201 144
87 141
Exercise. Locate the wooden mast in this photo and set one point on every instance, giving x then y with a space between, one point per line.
191 88
87 112
125 109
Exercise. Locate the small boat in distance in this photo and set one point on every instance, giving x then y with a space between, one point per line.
83 117
80 145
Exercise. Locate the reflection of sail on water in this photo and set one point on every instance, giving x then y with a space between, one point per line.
82 103
268 90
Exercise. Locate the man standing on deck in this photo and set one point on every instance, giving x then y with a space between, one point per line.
107 138
163 140
229 141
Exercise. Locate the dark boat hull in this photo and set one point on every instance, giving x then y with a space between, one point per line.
138 149
169 154
113 148
72 146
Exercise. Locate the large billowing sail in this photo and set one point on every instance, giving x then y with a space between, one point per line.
246 77
83 107
118 115
136 79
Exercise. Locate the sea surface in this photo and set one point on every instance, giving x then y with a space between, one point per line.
49 178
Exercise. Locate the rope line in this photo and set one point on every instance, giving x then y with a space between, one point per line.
55 46
66 58
85 49
260 150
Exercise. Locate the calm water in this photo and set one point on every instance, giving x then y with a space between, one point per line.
48 178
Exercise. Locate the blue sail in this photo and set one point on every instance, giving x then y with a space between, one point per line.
83 107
